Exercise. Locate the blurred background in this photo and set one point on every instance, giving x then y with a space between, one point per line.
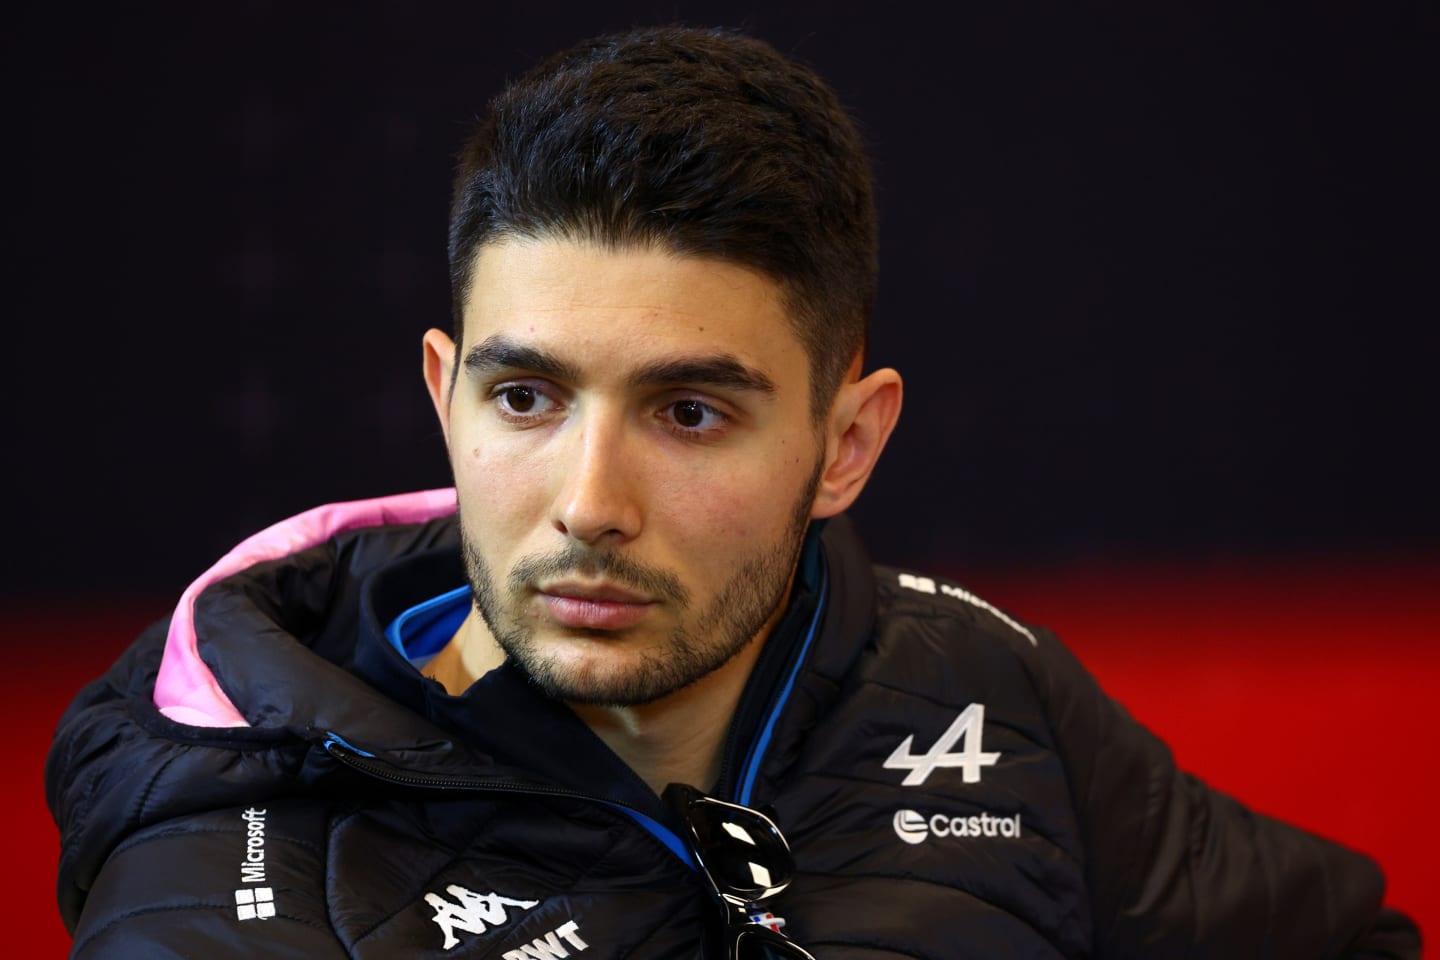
1161 280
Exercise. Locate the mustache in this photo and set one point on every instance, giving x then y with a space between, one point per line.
576 559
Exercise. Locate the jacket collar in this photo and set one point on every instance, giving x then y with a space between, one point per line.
843 631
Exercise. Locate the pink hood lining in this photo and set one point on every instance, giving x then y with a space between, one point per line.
185 689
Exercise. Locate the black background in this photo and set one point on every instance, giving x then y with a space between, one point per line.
1161 278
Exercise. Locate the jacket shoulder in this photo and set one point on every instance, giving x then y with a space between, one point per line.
1170 865
945 642
920 594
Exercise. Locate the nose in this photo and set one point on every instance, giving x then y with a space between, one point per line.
598 498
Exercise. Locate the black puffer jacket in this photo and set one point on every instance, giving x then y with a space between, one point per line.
953 784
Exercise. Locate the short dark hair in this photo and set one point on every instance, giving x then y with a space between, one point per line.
706 142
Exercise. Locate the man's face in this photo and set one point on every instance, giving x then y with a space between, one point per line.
635 459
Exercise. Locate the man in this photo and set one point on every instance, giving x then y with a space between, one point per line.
395 728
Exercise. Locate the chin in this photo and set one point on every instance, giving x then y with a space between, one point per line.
603 677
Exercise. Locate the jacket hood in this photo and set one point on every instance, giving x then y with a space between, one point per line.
229 701
185 687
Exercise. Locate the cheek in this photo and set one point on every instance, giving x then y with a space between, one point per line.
730 513
500 489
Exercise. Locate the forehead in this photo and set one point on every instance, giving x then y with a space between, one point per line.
602 306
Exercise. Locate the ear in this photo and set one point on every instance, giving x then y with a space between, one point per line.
861 419
439 366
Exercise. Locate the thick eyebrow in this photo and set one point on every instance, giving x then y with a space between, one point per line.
497 353
718 370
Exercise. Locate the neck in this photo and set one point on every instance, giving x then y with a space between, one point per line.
469 655
679 738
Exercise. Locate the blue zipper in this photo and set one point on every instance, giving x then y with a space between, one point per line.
750 769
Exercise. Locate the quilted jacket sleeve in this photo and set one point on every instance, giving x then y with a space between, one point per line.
1178 869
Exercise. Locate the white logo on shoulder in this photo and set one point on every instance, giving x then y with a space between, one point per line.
474 913
969 725
927 585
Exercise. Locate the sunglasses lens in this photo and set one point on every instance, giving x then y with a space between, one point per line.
743 851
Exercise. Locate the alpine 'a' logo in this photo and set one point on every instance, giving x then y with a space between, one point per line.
970 725
475 913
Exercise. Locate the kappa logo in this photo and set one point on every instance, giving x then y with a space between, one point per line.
474 913
970 725
913 827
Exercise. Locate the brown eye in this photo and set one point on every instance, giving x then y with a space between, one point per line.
689 413
519 399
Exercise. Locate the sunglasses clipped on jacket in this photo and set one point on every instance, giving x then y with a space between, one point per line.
744 859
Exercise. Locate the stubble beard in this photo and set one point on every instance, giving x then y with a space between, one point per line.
692 650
